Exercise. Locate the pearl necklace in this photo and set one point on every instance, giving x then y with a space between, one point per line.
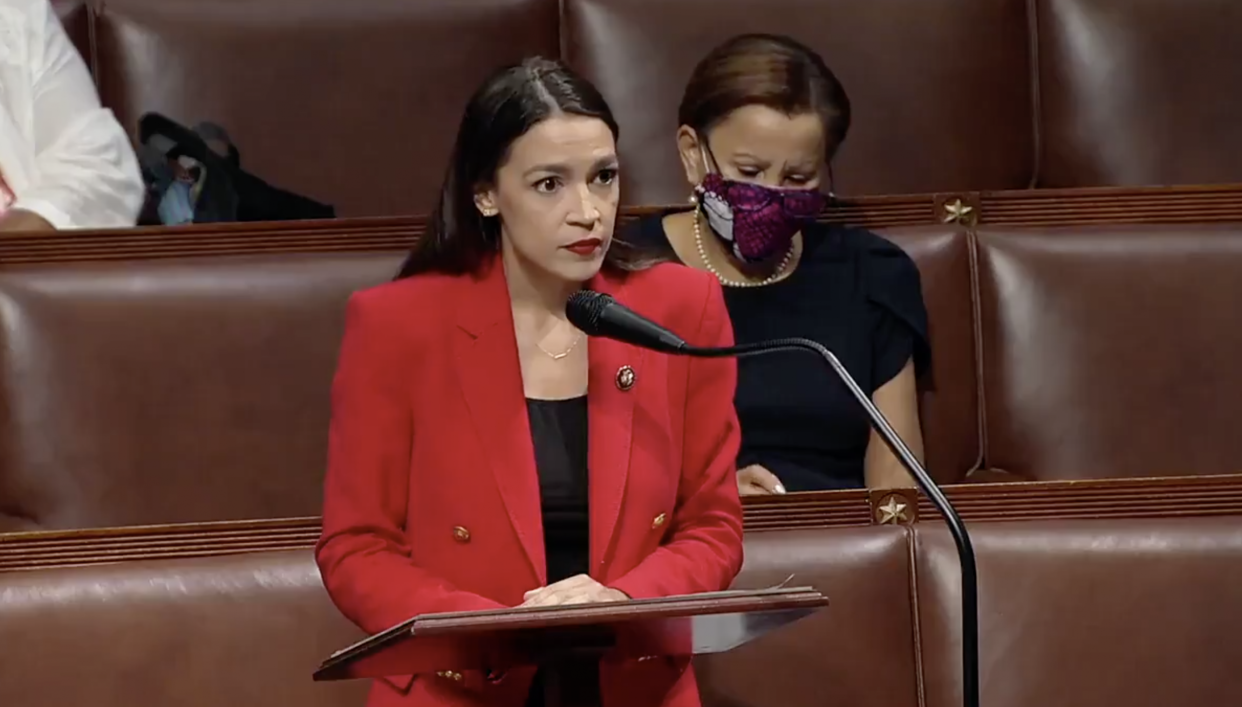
776 274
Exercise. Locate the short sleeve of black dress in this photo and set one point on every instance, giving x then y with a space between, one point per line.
899 316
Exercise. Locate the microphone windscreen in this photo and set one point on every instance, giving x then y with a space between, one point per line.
585 308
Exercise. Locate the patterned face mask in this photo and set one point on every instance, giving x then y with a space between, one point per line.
756 222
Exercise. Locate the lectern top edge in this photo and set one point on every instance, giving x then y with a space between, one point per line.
706 603
731 601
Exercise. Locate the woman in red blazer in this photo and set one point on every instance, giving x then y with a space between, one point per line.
483 454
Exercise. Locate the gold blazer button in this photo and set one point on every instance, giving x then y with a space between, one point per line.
626 377
461 534
659 521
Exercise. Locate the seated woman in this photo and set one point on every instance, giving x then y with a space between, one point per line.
761 118
482 453
64 161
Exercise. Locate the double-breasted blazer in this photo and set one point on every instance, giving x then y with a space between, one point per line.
432 496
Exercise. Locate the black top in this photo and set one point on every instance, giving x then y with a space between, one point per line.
559 432
857 294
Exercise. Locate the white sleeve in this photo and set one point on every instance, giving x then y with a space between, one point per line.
86 174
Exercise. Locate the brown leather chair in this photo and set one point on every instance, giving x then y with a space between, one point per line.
1136 92
856 652
355 104
243 630
910 80
170 391
1142 613
1109 351
949 407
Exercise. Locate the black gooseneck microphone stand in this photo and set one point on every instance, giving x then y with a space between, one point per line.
598 314
965 551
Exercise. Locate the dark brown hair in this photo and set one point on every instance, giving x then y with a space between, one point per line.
460 240
769 70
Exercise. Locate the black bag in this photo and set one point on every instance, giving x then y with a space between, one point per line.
188 181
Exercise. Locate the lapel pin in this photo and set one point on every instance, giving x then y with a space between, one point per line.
625 378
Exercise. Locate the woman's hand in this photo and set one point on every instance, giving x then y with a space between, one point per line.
754 480
579 589
17 221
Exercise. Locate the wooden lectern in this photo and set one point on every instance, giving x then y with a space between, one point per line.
561 640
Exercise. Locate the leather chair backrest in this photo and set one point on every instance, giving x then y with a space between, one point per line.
1109 352
170 391
1136 92
355 104
855 652
242 630
1142 613
642 52
950 397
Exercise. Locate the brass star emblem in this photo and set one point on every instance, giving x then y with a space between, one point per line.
893 511
957 211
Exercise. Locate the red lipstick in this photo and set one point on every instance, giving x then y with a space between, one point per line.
586 246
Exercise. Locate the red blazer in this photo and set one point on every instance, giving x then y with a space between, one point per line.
432 497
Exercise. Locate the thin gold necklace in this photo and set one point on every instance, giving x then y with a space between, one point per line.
563 354
777 274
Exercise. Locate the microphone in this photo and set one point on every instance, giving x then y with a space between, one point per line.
598 314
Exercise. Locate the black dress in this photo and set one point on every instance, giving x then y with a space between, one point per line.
559 432
857 294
